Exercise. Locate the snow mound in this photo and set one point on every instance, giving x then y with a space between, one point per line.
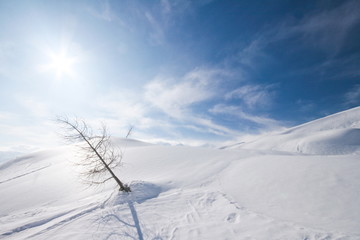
333 135
140 192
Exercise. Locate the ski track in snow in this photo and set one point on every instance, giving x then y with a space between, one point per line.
192 214
52 222
199 214
203 215
35 224
67 220
56 220
24 174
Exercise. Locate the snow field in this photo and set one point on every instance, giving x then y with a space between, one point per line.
194 193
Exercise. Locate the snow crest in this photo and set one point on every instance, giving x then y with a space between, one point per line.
333 135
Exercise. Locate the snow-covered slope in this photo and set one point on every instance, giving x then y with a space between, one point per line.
186 193
335 134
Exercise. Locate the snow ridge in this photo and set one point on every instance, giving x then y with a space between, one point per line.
336 134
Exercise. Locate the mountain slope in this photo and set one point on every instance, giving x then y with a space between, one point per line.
335 134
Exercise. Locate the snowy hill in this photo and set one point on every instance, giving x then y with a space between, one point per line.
195 193
335 134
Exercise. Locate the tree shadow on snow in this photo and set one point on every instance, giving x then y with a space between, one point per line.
136 219
115 221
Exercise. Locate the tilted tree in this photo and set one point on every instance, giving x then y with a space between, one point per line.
99 157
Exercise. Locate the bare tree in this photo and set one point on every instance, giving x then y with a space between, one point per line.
100 157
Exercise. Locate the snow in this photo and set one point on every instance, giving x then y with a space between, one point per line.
302 183
8 155
334 134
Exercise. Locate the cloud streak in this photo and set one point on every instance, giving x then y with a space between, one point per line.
178 98
253 95
352 97
326 30
329 28
103 12
265 122
175 96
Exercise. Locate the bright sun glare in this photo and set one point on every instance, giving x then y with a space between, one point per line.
60 63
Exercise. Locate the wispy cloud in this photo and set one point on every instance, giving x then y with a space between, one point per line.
253 54
122 109
163 17
103 11
265 122
305 105
352 97
154 22
7 55
157 34
329 28
325 30
166 6
253 95
175 96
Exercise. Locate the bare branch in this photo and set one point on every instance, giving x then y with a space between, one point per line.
99 155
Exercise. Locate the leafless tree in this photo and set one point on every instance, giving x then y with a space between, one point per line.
99 157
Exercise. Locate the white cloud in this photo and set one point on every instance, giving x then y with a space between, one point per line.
157 34
326 30
305 105
103 12
353 96
266 122
252 95
175 98
251 55
122 109
210 126
329 28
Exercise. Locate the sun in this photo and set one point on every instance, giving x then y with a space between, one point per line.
60 63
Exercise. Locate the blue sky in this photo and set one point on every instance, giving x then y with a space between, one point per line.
183 72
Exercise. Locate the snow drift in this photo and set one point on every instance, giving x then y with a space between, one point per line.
332 135
195 193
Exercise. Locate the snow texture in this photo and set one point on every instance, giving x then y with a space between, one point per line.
333 135
302 183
